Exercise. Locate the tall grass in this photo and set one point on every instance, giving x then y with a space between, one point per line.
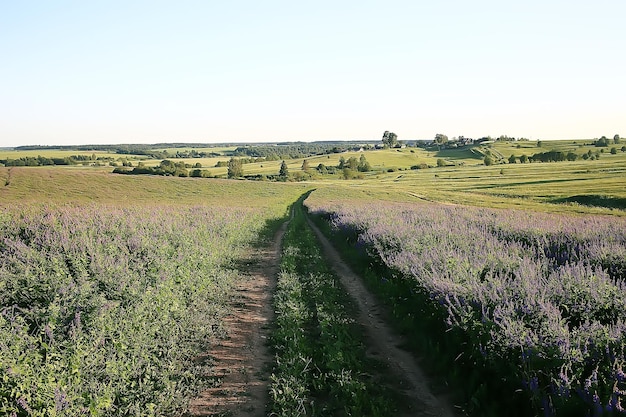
103 309
535 302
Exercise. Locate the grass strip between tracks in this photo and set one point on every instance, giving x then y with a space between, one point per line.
320 368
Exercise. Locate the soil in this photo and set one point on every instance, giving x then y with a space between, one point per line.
244 359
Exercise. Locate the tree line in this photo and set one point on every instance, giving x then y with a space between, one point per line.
552 156
32 161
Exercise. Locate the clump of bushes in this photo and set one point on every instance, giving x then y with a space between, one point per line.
166 167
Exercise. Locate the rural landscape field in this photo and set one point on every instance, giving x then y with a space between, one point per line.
325 278
281 209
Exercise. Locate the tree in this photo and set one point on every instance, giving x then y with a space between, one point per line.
364 166
441 162
616 139
342 162
390 139
235 168
352 163
440 139
488 161
602 142
512 159
305 165
284 171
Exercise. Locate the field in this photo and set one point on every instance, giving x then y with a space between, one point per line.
82 248
576 187
536 299
16 154
506 279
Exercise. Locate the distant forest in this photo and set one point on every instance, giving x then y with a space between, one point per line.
269 151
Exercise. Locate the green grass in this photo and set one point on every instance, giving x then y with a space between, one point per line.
321 368
205 162
579 147
384 159
172 225
381 160
208 162
63 153
70 273
538 186
583 186
61 185
580 187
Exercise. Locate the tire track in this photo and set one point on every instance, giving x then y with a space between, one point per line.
384 342
243 358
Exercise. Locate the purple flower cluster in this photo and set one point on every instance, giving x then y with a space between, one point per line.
544 292
102 309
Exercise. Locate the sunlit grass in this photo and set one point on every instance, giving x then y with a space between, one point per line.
536 186
465 179
204 162
32 185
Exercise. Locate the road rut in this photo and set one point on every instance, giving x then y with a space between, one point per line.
383 342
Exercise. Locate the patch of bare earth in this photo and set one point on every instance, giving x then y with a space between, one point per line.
243 358
383 343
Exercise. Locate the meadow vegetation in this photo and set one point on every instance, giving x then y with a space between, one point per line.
503 268
525 311
111 287
321 368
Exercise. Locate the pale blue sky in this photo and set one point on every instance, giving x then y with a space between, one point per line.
78 72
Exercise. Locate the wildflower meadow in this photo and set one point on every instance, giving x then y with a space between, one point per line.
103 309
533 302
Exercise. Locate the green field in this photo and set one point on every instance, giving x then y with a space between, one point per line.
59 185
71 232
540 186
584 186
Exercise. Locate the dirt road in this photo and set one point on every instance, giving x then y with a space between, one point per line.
244 359
383 342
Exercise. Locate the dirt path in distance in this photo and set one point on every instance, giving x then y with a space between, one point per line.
383 342
244 358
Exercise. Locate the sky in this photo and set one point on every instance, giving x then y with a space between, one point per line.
96 72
